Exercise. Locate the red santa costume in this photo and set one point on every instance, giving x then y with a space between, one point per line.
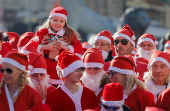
149 83
74 47
93 58
62 99
24 39
154 109
138 98
28 98
144 55
128 34
164 100
37 64
13 39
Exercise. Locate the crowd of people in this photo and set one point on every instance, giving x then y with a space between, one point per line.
51 70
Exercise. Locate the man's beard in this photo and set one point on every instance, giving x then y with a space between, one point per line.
33 83
92 81
104 54
146 54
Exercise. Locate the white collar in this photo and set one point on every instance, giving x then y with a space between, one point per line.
60 32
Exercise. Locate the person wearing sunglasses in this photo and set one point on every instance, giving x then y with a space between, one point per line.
145 45
123 70
15 94
157 78
124 42
71 96
103 41
94 76
38 78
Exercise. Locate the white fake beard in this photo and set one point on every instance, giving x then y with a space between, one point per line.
92 81
104 54
146 54
33 83
103 109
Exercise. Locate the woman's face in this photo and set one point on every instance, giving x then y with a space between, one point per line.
57 23
10 73
117 77
38 76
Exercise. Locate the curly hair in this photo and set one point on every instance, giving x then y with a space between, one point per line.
22 83
71 36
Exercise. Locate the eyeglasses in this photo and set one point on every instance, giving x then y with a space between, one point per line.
123 41
82 69
111 107
101 45
111 73
8 70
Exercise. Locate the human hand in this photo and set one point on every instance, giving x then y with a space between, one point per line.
45 40
61 45
42 91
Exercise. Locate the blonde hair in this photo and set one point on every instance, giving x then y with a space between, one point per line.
130 81
22 83
71 36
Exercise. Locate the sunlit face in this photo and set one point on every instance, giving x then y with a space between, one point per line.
102 45
93 70
159 71
117 78
57 23
11 78
147 45
75 76
122 49
38 76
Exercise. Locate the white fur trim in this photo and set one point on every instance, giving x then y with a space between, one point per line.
19 48
167 45
28 73
38 70
36 39
56 58
103 38
158 59
39 49
71 48
156 42
59 15
30 67
133 37
14 63
125 36
146 39
5 34
94 64
24 52
58 68
72 67
1 59
112 103
122 71
79 55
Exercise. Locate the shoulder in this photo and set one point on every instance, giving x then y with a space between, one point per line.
165 93
30 90
87 91
142 93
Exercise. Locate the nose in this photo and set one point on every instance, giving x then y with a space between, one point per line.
39 78
146 47
158 69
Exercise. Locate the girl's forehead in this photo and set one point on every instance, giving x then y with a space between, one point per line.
57 17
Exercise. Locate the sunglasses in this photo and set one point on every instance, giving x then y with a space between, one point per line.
8 70
81 69
111 73
123 41
111 107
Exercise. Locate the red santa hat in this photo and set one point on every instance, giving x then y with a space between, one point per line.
6 47
104 35
153 109
25 38
86 45
68 62
147 37
124 64
16 59
112 95
167 44
60 12
36 63
13 39
31 46
127 33
93 58
159 56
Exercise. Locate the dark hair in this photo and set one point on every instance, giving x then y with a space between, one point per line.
1 36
